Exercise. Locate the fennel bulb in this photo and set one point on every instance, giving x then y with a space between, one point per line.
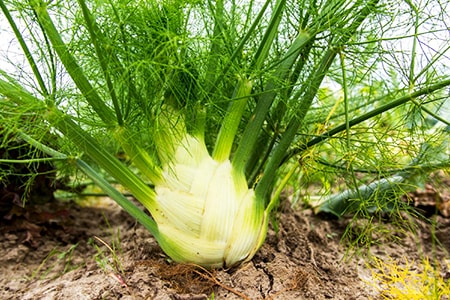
205 213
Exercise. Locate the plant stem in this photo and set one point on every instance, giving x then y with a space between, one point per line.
107 161
230 124
86 143
216 44
240 46
375 112
307 95
96 39
120 199
126 204
272 29
71 65
25 49
347 119
251 133
264 186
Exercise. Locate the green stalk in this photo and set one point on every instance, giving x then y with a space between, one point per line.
347 118
242 42
84 142
259 157
139 157
269 36
251 133
96 38
71 65
124 73
274 201
414 45
45 149
104 159
12 90
307 95
255 166
120 199
230 124
25 49
31 160
375 112
264 186
216 44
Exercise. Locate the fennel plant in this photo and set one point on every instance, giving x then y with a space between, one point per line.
212 103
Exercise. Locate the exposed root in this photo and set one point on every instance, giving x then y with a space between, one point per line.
210 276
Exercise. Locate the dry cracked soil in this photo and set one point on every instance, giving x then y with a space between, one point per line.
65 251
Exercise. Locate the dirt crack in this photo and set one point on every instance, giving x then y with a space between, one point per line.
265 291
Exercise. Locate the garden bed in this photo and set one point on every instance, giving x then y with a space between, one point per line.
61 251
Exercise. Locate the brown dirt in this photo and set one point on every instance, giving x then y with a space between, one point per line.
50 252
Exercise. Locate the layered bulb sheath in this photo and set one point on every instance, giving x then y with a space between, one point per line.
205 212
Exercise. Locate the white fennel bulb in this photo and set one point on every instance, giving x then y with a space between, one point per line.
205 213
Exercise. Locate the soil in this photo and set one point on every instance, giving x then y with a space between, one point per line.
61 250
